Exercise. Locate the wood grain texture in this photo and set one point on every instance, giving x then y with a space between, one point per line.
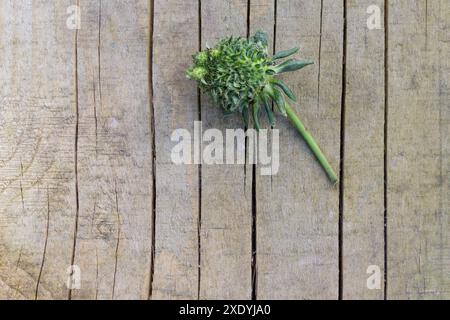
262 17
114 152
226 226
418 145
298 209
37 135
176 25
78 109
363 192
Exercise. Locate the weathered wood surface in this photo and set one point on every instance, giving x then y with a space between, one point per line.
363 184
297 209
113 151
86 177
226 215
176 275
37 143
262 17
418 208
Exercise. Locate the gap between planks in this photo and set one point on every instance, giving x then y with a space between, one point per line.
386 105
342 155
153 142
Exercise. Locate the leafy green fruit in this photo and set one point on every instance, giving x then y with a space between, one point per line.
241 76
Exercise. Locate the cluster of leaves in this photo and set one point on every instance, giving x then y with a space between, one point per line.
239 75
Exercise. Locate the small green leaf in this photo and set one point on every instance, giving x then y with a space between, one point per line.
292 65
279 101
245 116
277 97
268 108
285 54
256 109
283 86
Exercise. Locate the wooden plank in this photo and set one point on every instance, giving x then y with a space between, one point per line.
113 247
37 135
262 17
298 209
176 30
418 144
363 193
226 214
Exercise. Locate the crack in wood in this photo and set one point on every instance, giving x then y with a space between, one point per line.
342 155
199 221
99 76
96 273
153 142
116 255
386 105
320 53
21 187
44 252
77 119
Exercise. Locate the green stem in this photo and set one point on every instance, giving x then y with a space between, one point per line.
312 144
